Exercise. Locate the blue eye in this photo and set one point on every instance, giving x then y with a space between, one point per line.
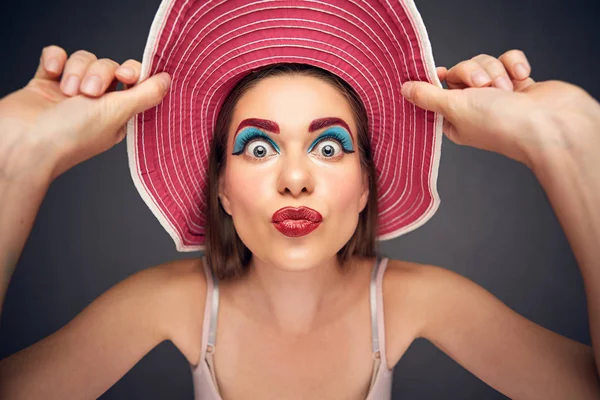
248 135
340 135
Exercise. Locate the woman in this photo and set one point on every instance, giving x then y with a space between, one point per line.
293 313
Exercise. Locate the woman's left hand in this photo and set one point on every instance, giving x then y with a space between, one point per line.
493 104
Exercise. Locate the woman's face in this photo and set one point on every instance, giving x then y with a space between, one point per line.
292 143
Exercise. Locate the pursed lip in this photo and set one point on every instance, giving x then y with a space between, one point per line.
296 213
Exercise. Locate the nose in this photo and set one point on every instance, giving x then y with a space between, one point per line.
295 176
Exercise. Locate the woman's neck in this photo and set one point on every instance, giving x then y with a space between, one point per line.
298 302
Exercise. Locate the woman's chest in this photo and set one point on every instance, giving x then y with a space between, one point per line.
335 362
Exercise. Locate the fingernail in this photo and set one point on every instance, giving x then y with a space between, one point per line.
71 85
521 71
52 65
165 80
406 90
92 85
126 72
480 78
502 82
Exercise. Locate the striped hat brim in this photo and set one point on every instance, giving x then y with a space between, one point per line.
208 46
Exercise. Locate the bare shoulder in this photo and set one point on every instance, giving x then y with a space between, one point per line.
514 355
413 292
163 302
185 297
402 290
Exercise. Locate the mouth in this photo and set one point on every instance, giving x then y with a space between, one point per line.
295 222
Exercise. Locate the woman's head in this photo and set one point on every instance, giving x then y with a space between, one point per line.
297 163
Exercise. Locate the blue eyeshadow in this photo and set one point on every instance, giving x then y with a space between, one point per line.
248 134
251 133
338 133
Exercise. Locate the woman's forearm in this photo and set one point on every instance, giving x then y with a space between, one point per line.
571 180
24 181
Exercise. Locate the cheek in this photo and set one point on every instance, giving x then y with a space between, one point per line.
341 189
250 191
246 189
341 192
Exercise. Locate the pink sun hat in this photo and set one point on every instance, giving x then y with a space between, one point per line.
208 46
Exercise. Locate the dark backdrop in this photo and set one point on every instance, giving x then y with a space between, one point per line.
495 224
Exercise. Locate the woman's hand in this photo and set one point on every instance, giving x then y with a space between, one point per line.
509 72
63 119
525 120
554 128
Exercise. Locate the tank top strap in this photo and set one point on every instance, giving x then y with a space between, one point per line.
211 309
376 301
214 312
373 301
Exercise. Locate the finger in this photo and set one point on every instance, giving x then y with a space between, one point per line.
515 62
51 63
442 72
129 72
451 132
75 68
124 104
467 74
521 86
98 77
431 97
496 70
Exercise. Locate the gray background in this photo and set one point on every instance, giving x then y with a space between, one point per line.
494 226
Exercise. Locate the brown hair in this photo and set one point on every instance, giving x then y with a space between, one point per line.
227 256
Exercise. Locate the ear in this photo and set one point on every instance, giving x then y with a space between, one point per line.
223 197
364 196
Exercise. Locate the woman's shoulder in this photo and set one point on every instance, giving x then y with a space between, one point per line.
186 297
402 287
408 275
407 284
417 296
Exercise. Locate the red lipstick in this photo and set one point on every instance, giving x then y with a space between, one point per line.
295 222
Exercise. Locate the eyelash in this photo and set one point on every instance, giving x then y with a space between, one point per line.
248 137
342 140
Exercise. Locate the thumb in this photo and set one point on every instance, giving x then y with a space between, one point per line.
149 93
427 96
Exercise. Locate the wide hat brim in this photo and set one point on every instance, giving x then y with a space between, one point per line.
208 46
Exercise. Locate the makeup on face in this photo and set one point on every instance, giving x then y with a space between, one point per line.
252 128
295 222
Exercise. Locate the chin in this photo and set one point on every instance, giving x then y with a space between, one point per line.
292 258
299 253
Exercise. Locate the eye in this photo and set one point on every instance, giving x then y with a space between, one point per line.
333 142
258 148
328 148
254 143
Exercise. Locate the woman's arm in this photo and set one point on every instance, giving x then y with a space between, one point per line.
24 181
94 350
44 131
87 356
571 179
554 128
512 354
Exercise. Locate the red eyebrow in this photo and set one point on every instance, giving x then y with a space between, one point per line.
325 122
259 123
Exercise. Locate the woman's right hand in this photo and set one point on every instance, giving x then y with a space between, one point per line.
63 126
